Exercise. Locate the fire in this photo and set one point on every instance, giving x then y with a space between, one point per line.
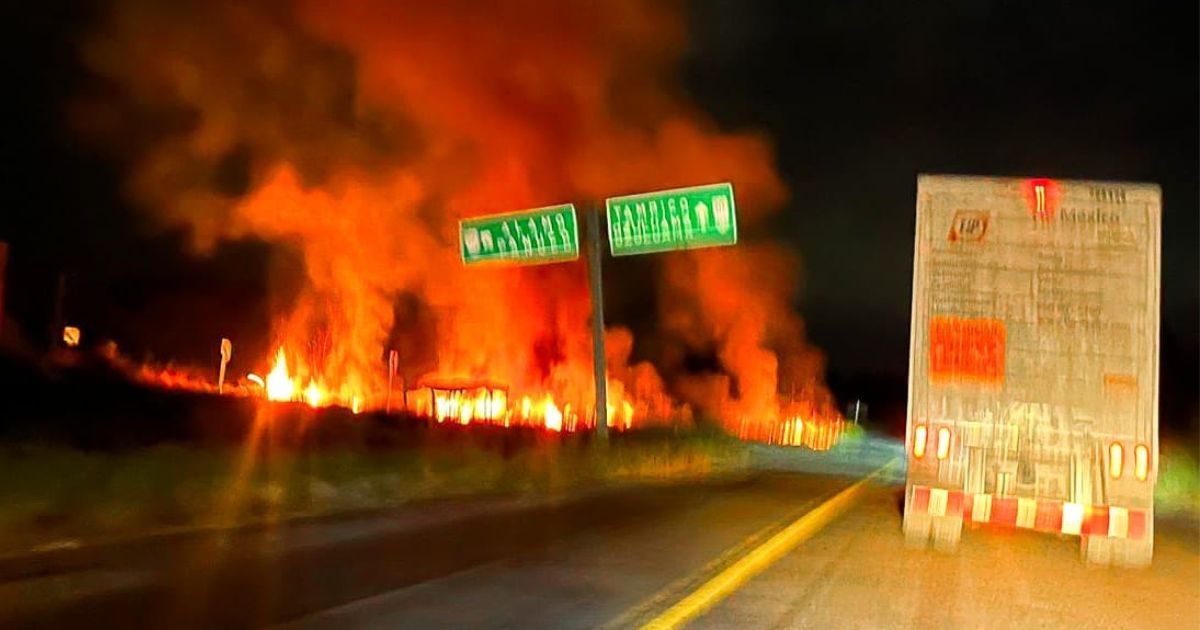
554 417
283 384
313 394
452 118
279 385
466 404
816 434
484 404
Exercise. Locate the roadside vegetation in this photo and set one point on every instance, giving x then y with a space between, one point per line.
1178 489
55 493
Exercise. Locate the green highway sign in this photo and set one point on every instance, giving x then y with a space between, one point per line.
684 218
536 236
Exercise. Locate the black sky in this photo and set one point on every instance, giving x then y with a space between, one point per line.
858 97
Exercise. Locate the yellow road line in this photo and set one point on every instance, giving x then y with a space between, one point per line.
759 558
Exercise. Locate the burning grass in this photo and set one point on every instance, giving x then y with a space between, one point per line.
411 119
54 493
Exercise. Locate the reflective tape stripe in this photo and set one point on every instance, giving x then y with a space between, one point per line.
1004 511
1045 515
1072 519
937 501
1049 516
1137 524
1096 523
920 499
981 508
1026 512
1118 522
954 503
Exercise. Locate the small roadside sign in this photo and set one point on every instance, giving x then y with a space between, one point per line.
682 218
541 235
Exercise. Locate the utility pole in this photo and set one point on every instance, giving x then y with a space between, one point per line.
596 280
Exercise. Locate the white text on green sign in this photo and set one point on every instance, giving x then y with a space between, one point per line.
684 218
541 235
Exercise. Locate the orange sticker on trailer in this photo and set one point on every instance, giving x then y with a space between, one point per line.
1120 384
966 350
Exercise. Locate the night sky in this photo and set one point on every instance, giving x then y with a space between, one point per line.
858 98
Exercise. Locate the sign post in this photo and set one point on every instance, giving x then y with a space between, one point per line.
540 236
666 220
682 218
596 280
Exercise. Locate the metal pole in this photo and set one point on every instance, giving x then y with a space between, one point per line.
393 362
596 280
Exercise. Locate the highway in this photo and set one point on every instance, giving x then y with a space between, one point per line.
645 556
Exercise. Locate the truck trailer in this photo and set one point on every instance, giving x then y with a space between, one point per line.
1033 362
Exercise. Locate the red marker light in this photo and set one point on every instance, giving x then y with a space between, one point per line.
1042 197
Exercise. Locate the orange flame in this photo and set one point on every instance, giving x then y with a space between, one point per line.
414 118
554 417
278 384
313 394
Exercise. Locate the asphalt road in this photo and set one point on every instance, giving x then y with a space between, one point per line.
612 559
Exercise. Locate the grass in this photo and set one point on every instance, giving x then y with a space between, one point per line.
50 493
1178 489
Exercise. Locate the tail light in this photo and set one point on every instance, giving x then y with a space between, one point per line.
1141 461
1116 460
920 436
943 443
